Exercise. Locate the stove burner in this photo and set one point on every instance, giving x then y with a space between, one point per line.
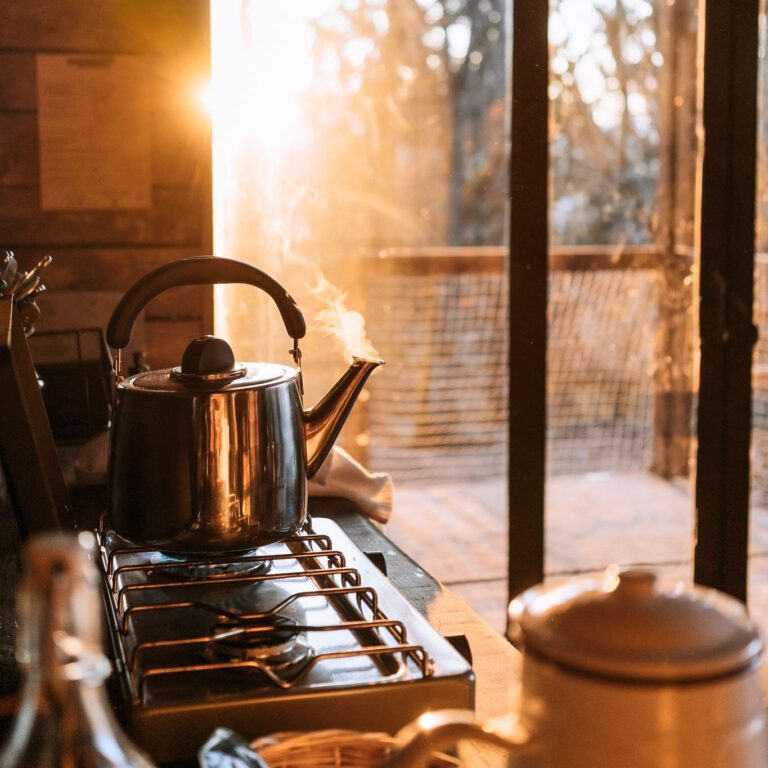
277 642
257 632
259 597
198 570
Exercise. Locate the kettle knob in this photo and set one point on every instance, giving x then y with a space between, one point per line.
206 355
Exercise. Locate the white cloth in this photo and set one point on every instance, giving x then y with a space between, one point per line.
341 476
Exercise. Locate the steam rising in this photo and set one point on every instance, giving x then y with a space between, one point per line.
345 326
333 318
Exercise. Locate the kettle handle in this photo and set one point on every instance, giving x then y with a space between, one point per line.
198 270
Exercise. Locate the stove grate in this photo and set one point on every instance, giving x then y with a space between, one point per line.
131 592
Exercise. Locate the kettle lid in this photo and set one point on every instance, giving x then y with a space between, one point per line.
631 626
208 363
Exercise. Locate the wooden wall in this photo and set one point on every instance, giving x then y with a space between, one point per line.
100 250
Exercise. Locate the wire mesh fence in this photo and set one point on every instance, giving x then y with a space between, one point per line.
600 391
438 411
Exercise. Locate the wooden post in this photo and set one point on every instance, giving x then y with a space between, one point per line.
673 372
726 240
528 232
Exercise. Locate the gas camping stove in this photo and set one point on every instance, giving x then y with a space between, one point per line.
300 635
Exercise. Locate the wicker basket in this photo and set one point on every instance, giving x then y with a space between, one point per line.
332 749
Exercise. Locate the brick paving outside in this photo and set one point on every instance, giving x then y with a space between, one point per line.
458 532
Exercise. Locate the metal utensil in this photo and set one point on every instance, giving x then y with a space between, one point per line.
30 314
42 264
25 280
9 268
26 288
32 295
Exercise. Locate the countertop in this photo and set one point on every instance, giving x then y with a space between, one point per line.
495 661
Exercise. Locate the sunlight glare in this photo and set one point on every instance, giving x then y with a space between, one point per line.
261 62
204 95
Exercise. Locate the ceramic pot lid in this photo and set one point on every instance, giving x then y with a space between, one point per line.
631 626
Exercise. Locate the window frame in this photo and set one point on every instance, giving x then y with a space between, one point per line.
724 252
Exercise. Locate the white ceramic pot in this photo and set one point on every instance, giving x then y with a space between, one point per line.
622 672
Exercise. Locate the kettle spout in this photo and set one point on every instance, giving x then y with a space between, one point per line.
323 423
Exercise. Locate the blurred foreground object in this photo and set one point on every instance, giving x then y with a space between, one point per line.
331 748
64 718
225 749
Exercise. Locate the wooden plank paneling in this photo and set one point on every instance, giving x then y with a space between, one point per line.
167 340
19 164
94 269
173 83
110 250
159 26
173 219
18 81
184 303
179 142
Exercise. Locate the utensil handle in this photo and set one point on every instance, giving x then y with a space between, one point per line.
198 270
444 728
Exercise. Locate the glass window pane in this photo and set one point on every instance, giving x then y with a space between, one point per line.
621 337
607 67
757 591
361 158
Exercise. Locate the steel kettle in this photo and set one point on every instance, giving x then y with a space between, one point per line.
214 455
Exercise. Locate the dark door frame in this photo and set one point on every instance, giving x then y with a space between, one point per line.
528 236
726 228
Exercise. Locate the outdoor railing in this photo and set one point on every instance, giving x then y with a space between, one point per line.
619 360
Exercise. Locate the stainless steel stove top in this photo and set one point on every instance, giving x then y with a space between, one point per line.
303 634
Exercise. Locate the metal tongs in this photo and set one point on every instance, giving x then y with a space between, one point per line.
25 287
